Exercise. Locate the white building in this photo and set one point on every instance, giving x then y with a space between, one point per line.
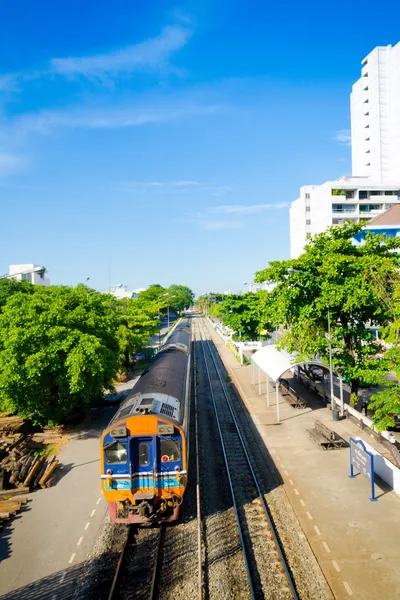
334 202
120 291
28 272
375 130
375 116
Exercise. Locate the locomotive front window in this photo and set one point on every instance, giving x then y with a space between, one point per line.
116 453
170 449
143 452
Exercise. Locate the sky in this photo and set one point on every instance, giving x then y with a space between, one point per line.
160 142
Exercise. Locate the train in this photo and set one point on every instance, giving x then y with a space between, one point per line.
144 451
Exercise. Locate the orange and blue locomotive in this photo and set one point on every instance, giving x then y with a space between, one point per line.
144 449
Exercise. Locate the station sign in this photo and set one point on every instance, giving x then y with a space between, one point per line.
362 461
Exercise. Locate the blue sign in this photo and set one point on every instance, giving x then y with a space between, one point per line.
363 461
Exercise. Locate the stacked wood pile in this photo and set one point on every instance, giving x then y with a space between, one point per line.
10 504
23 460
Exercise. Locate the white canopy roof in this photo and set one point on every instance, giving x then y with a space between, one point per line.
276 362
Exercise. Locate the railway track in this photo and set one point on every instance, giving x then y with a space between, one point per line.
233 549
138 568
267 571
165 562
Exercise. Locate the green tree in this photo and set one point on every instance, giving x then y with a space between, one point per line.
8 287
181 297
334 273
247 315
386 403
216 310
58 350
138 323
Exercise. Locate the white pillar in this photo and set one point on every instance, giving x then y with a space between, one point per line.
341 396
267 389
252 372
277 402
259 381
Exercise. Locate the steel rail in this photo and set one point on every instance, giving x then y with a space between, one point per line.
198 495
261 495
118 569
242 542
155 576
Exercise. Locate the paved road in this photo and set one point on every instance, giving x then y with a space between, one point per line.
43 550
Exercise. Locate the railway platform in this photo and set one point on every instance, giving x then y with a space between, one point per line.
356 542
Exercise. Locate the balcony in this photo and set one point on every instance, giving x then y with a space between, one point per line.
341 211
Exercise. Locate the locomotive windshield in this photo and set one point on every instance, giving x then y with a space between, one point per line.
170 449
116 453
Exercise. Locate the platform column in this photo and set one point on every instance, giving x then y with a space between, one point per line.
341 396
267 388
277 402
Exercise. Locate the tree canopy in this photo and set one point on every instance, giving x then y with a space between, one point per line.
62 347
58 350
247 315
334 273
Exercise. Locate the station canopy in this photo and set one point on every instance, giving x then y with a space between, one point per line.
275 363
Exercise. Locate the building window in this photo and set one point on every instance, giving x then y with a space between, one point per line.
26 277
343 208
308 221
307 196
362 194
308 208
308 235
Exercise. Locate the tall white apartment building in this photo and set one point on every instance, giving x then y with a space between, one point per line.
375 116
375 130
334 202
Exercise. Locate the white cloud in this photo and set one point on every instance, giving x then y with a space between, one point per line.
246 209
151 55
108 117
144 185
215 225
9 164
7 83
180 186
343 136
202 220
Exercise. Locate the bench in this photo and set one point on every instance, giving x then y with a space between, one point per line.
291 395
325 437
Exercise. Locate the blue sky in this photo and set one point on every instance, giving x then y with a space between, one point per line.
160 142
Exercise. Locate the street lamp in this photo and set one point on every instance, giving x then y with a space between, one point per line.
333 406
168 296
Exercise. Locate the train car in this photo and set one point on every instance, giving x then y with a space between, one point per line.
144 450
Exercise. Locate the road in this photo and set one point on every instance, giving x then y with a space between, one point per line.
43 550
